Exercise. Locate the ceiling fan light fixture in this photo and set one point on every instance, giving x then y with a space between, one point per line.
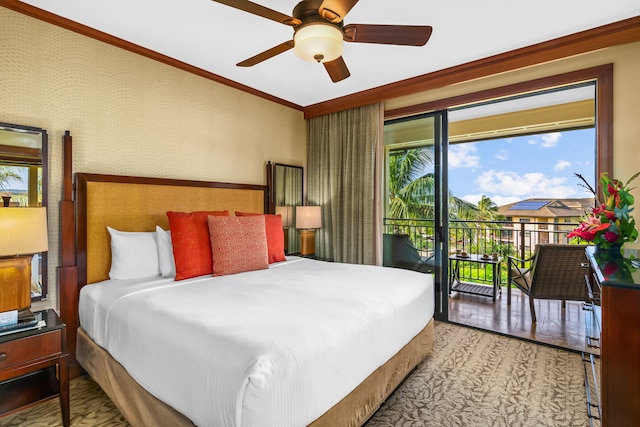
318 42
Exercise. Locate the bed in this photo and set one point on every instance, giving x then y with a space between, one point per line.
309 342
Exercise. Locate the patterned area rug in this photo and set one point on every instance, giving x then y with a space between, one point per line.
474 378
477 378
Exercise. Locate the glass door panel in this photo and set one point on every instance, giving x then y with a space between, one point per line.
413 226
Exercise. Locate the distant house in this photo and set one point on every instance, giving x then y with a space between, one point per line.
542 220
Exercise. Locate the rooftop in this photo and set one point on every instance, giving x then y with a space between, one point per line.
547 208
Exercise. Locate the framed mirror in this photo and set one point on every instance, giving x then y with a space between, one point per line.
23 183
287 194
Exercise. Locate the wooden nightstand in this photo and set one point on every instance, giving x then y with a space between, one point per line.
33 367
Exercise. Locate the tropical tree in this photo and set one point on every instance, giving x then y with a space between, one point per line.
7 174
411 187
488 210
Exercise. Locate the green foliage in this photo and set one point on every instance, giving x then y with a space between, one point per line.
7 174
412 188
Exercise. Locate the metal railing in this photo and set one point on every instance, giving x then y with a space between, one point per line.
505 238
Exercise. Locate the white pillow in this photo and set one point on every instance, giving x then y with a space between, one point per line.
134 254
165 253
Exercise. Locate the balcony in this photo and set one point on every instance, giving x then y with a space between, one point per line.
556 326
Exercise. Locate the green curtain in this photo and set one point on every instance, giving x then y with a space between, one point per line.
341 154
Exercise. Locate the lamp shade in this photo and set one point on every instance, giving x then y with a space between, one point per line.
318 42
23 231
286 214
308 217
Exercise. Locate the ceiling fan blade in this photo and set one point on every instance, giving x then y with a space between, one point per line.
335 10
337 69
407 35
270 53
259 10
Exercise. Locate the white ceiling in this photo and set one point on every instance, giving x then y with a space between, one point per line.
215 37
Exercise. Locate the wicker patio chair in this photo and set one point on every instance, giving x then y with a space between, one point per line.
557 272
400 252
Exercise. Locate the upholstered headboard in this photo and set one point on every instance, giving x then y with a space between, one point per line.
139 204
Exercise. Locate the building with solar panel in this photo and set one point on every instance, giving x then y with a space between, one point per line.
542 220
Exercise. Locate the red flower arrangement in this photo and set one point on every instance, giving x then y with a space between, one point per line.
609 224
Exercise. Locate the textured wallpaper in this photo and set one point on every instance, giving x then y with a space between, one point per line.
131 115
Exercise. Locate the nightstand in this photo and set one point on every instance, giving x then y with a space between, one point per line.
33 367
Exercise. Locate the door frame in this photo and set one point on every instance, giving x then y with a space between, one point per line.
441 209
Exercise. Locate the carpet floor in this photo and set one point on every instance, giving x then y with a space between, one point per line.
474 378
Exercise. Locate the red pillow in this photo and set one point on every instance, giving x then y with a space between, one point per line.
238 244
275 235
191 242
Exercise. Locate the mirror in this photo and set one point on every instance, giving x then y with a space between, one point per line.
287 184
23 183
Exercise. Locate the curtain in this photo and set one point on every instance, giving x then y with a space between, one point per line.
341 157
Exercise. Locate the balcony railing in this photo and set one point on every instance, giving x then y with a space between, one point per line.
506 238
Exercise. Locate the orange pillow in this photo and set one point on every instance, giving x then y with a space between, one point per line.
191 242
275 235
238 244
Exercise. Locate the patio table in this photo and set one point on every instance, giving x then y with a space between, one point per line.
456 284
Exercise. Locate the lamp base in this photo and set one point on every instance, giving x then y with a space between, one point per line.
15 283
285 232
307 242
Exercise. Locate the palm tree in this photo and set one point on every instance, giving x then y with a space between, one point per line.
488 210
411 189
7 174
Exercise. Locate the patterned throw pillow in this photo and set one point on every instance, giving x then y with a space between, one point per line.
191 242
275 235
238 243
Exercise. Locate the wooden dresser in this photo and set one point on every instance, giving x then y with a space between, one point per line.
617 279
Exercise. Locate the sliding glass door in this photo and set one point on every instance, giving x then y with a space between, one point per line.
415 223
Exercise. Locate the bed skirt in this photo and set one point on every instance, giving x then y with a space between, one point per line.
140 408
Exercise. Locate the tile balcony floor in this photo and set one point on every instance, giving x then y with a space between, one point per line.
556 327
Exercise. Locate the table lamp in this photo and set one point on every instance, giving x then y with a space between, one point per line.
23 233
308 218
286 214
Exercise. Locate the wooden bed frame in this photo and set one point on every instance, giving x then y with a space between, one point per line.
139 204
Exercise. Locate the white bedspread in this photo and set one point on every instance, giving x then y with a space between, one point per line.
275 347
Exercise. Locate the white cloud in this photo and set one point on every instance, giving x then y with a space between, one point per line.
510 184
462 156
550 139
502 155
472 198
547 140
561 165
501 200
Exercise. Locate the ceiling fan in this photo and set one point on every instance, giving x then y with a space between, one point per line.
319 30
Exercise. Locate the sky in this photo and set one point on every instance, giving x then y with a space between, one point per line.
511 169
